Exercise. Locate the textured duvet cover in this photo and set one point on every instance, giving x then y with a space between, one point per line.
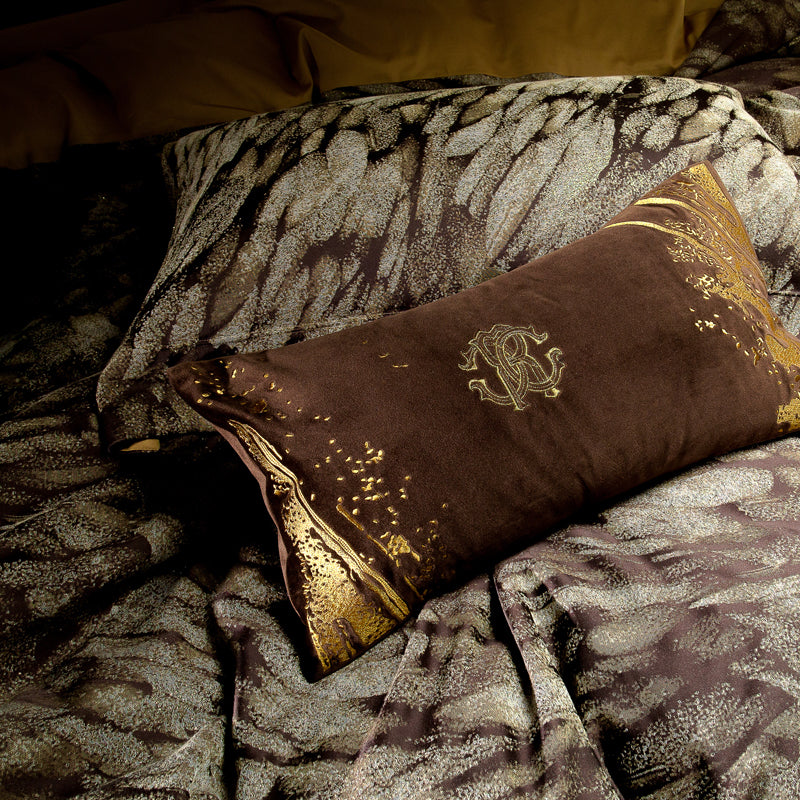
647 649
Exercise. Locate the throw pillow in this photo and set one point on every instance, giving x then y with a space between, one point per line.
402 455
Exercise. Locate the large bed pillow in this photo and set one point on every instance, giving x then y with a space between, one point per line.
401 455
298 224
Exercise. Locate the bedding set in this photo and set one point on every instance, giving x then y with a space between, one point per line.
431 439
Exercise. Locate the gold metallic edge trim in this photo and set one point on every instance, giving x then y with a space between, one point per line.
787 412
269 458
663 229
725 229
671 201
349 517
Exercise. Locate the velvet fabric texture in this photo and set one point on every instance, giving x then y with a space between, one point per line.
401 455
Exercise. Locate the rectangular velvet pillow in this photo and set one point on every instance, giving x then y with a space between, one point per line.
404 454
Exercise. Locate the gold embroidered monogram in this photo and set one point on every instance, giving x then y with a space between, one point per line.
508 351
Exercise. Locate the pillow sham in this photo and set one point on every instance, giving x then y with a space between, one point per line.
399 456
297 224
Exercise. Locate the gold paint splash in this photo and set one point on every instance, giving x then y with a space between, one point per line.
348 605
719 241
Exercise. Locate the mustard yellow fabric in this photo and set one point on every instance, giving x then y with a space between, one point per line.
219 60
418 38
697 15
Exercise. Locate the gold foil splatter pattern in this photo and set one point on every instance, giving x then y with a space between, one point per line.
789 414
376 508
368 503
718 241
345 599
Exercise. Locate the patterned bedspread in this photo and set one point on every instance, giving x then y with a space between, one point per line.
647 649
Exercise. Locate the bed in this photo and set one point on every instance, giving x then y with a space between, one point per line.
644 645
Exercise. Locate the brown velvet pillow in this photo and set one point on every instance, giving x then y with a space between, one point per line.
402 455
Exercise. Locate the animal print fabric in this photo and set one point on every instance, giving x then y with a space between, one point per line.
744 31
297 224
648 650
669 685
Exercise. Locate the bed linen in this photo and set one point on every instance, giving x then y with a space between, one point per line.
139 67
647 649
